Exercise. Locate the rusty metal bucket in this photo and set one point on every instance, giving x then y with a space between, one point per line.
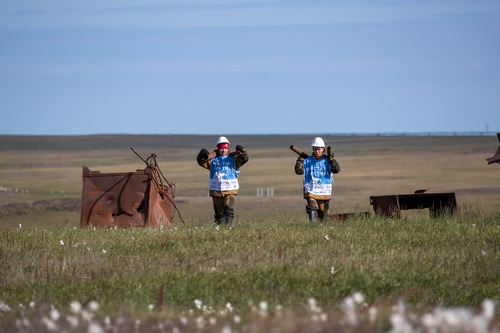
131 199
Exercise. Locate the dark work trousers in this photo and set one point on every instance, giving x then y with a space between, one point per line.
322 207
223 208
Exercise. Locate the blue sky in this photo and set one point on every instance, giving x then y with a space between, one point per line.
249 67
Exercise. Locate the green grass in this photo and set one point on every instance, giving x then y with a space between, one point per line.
449 261
273 255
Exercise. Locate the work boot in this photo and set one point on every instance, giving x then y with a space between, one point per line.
313 216
218 220
229 221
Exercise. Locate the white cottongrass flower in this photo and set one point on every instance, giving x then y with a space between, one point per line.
400 324
4 307
62 242
372 313
55 315
86 315
103 250
73 321
237 319
348 304
229 307
459 319
313 305
488 307
263 308
198 304
358 297
75 307
107 322
95 328
93 306
332 270
326 237
20 226
151 307
200 322
49 324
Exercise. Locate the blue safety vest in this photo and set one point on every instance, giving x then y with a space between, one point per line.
223 175
317 176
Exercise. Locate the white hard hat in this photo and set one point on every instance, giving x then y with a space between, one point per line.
318 142
222 139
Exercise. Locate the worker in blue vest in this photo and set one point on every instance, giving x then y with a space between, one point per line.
224 168
318 170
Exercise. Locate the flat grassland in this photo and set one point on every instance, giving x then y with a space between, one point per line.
274 271
40 174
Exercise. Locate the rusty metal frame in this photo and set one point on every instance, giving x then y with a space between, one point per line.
391 205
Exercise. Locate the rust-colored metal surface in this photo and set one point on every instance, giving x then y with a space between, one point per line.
495 158
131 199
391 205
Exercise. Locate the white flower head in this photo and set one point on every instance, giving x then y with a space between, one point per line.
95 328
55 315
229 307
75 307
358 297
73 321
4 307
488 307
49 324
198 304
326 237
93 306
348 303
61 242
263 308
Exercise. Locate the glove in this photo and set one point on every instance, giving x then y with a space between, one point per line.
203 154
240 148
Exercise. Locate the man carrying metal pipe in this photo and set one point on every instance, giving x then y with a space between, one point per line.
317 170
224 168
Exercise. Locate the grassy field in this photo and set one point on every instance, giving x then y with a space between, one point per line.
274 270
50 168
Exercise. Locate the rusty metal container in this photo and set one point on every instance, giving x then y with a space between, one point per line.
130 199
391 205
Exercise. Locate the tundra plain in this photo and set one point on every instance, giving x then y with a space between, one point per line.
274 271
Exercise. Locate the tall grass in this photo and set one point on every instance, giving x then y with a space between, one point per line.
450 261
274 266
